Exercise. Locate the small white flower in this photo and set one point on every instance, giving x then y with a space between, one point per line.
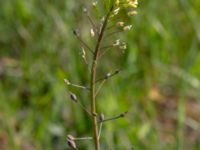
117 42
127 28
120 24
116 11
132 3
131 13
123 47
67 81
94 4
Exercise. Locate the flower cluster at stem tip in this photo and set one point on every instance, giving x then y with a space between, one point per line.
130 4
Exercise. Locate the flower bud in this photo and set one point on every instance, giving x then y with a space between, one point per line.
116 11
131 13
117 42
117 2
123 46
133 3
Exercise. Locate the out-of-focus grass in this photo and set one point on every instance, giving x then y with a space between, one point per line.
159 84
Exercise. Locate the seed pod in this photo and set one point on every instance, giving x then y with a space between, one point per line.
71 143
107 75
117 71
123 114
70 137
92 33
67 81
76 32
101 117
73 97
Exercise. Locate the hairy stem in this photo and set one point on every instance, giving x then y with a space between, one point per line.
93 82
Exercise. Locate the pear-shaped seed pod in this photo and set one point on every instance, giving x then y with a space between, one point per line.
101 117
73 97
92 33
67 81
117 71
107 75
123 114
70 137
71 144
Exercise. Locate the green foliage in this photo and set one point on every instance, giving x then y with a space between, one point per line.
159 84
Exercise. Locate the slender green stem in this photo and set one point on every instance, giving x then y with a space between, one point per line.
93 82
83 138
114 118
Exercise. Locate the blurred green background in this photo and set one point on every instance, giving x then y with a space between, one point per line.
159 84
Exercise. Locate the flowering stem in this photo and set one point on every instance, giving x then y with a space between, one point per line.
93 82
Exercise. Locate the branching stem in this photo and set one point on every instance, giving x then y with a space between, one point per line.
82 42
93 81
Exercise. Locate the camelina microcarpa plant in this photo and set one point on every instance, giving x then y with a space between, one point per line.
111 23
